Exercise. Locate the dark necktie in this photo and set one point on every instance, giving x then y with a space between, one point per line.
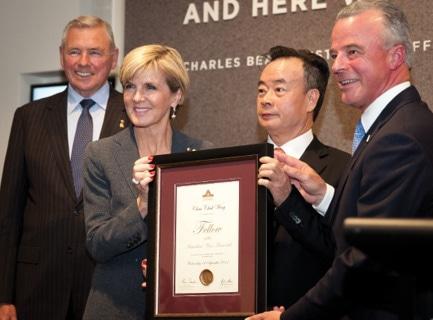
83 135
357 136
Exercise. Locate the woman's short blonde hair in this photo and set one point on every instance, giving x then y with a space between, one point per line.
157 57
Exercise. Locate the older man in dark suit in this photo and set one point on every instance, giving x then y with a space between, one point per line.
291 90
45 271
391 171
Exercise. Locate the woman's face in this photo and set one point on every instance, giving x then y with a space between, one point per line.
148 99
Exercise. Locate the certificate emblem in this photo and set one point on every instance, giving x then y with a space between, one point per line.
206 277
207 195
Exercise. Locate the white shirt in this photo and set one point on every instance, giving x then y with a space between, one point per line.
375 109
296 148
97 111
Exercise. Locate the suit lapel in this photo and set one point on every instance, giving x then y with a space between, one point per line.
314 155
115 118
57 132
180 142
126 154
406 96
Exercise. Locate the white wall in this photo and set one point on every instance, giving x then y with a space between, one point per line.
30 33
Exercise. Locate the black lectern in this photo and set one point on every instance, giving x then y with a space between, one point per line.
404 245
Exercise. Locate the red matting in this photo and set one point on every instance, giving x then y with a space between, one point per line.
242 302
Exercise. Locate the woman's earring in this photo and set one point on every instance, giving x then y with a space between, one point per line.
173 112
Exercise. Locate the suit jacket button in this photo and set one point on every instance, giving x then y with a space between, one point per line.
69 250
76 212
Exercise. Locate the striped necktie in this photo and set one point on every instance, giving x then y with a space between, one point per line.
83 135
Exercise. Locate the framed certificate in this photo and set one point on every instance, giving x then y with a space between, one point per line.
208 238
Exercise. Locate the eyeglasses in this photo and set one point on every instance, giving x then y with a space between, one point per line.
92 53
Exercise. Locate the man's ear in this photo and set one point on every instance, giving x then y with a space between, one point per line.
396 56
313 96
115 58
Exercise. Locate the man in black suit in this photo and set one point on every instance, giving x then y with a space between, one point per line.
290 94
45 271
391 171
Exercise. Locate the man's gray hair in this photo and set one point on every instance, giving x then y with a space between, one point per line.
82 22
396 24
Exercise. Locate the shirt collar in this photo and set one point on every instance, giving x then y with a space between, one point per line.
297 146
100 97
373 110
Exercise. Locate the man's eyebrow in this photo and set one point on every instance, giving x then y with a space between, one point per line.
277 81
348 46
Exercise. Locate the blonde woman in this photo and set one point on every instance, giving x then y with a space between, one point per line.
117 173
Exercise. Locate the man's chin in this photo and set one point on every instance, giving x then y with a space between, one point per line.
347 99
84 89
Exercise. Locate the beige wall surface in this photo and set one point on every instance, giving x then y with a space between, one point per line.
220 40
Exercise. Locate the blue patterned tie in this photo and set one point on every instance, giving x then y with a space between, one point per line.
83 135
357 136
